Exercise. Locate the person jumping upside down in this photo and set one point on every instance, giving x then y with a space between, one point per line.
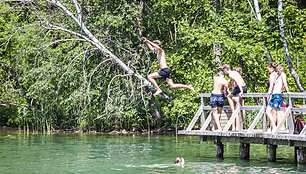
156 46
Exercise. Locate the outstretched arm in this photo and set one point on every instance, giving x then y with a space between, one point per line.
150 44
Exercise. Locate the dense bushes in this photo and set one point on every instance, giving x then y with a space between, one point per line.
65 82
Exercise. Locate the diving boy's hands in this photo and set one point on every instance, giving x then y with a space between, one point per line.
144 39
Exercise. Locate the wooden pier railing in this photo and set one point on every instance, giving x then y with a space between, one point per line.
286 117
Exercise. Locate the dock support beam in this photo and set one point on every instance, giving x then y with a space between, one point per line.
219 149
271 153
244 151
300 154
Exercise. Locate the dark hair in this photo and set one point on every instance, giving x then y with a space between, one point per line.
158 42
226 67
273 65
178 160
222 72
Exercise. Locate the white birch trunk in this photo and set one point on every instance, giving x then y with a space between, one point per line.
289 61
257 10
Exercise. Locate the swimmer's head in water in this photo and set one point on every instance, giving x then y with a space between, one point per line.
179 160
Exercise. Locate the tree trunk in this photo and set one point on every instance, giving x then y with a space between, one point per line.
93 40
289 61
217 47
99 45
256 5
257 11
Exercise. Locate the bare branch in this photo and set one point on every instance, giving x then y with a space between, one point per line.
23 106
62 40
77 7
54 27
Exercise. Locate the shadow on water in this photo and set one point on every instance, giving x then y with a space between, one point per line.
105 153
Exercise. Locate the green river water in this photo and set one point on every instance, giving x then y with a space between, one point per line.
131 154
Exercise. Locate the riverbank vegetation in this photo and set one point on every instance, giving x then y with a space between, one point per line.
88 72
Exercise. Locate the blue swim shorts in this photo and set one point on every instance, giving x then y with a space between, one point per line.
275 100
217 100
165 73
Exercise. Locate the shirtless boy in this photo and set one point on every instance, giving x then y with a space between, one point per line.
238 89
156 46
278 84
217 97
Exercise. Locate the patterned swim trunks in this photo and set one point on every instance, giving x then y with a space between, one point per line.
217 100
275 100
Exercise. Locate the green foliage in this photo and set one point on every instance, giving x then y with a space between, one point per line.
65 84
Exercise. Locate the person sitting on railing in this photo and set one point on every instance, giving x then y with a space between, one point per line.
217 97
277 86
273 74
239 89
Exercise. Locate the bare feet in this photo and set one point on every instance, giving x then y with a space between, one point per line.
157 92
191 88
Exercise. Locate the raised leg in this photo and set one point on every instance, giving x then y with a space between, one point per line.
178 85
152 78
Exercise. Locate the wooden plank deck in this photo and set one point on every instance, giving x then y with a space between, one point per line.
256 137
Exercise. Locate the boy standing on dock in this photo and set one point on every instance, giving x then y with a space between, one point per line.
278 84
217 97
156 46
239 89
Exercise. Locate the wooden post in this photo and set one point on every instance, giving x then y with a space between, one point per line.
300 155
202 138
244 151
203 115
271 153
290 118
264 117
239 119
219 149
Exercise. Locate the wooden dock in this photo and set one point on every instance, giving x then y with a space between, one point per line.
202 126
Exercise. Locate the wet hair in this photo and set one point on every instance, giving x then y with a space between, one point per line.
238 69
273 65
222 72
179 160
279 68
226 67
158 42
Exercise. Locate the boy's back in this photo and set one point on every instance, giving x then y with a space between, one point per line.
219 84
237 78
